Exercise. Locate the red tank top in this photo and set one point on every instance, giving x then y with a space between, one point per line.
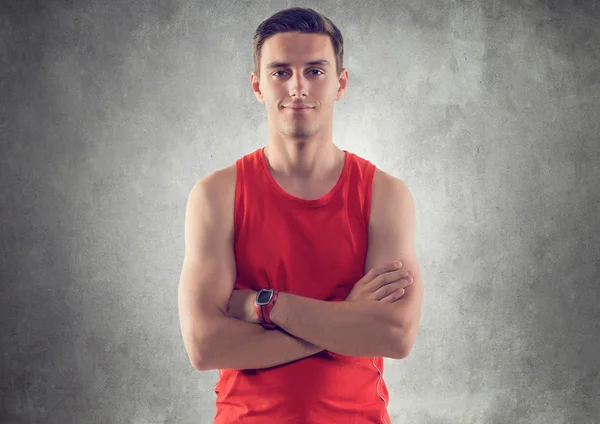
312 248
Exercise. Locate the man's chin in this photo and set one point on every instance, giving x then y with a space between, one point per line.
300 134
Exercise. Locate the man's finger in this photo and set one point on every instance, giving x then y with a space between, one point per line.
392 266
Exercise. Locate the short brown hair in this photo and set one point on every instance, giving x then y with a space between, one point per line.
297 19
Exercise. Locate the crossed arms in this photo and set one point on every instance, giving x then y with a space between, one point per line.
307 326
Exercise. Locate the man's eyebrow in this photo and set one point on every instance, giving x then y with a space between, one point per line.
282 64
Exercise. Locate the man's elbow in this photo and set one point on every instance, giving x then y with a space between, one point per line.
405 351
403 345
197 361
400 352
195 343
195 358
408 342
202 358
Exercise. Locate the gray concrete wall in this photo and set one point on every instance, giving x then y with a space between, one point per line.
110 113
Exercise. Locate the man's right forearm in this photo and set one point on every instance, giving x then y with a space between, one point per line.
235 344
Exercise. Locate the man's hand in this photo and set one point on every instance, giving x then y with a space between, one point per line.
241 306
384 284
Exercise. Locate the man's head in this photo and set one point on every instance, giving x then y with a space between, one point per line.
284 47
296 19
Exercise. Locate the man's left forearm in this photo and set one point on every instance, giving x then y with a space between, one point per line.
357 328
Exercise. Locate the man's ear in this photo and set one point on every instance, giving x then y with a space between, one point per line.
343 82
255 83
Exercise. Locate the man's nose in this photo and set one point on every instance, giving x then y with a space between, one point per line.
298 85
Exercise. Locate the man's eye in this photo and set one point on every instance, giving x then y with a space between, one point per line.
312 70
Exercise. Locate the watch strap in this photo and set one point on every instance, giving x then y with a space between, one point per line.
264 312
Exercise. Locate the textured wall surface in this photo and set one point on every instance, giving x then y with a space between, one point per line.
489 111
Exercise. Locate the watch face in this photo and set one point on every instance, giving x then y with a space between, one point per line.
264 297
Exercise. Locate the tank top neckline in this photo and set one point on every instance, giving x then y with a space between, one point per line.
321 201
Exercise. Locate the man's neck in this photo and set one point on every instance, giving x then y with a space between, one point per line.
307 162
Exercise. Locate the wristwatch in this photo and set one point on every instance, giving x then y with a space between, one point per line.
265 299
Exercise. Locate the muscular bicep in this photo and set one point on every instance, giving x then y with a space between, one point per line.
392 233
208 272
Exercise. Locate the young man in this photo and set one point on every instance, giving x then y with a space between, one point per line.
288 285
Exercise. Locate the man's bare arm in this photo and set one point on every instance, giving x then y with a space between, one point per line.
236 344
207 280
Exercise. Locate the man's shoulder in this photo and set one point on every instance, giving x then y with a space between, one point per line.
384 179
219 180
218 189
387 190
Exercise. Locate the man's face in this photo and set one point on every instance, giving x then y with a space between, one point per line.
288 80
